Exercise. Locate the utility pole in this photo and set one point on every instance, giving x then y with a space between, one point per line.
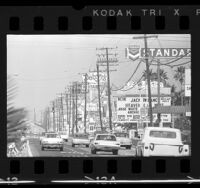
85 107
56 115
76 95
67 107
41 118
70 107
148 76
53 110
99 98
158 75
109 62
34 116
48 119
62 113
73 109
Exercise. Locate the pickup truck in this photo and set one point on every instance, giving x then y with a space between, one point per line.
161 141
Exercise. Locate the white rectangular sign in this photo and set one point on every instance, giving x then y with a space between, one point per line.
188 82
128 108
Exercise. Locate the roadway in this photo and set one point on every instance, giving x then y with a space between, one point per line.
69 151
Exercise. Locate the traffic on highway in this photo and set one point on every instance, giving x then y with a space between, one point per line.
50 144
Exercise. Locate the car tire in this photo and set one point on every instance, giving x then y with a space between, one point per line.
136 153
93 151
87 146
73 145
115 152
141 153
42 148
129 147
61 149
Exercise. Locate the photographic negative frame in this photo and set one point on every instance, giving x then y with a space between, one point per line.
120 21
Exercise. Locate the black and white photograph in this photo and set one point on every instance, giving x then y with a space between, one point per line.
108 95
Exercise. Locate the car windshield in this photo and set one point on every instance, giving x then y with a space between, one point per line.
106 137
121 135
51 135
162 134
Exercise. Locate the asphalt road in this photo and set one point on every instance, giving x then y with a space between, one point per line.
69 151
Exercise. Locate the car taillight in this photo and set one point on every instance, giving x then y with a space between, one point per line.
146 147
96 143
151 146
180 149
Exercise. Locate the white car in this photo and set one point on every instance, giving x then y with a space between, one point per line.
105 142
80 139
160 141
64 136
124 140
52 140
42 137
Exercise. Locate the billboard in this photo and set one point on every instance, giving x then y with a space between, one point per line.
92 78
132 109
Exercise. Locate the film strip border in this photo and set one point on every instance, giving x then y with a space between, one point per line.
87 20
89 170
87 23
65 20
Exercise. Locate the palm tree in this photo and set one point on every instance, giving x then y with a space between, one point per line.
154 75
163 76
151 74
16 117
179 76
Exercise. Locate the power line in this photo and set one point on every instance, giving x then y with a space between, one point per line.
138 80
181 64
130 77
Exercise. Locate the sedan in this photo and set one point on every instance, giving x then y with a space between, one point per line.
105 142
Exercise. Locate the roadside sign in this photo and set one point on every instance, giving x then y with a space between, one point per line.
188 114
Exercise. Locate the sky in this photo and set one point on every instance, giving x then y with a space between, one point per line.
43 65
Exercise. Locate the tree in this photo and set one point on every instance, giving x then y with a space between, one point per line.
179 76
16 117
154 76
163 76
151 74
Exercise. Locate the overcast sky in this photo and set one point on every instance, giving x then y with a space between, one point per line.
43 65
